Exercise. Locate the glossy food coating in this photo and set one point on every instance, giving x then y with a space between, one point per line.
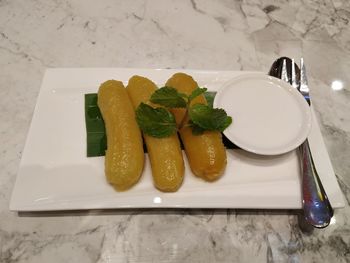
206 152
165 153
124 158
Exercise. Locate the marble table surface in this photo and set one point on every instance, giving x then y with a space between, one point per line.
194 34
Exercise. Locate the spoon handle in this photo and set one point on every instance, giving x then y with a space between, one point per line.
317 208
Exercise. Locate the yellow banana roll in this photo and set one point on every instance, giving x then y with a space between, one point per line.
124 157
164 153
206 153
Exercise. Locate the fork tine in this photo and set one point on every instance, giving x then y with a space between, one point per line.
284 74
294 79
304 88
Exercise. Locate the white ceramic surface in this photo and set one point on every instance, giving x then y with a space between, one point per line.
55 173
269 116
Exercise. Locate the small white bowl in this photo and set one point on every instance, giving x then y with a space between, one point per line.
270 117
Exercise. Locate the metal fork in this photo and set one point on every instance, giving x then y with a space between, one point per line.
316 206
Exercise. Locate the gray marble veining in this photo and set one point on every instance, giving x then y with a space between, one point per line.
199 34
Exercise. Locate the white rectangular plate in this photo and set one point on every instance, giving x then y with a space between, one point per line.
55 173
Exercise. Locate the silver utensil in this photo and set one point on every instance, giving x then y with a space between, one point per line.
316 206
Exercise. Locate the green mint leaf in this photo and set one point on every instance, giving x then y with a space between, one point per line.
208 118
198 91
196 130
169 97
183 95
209 97
156 122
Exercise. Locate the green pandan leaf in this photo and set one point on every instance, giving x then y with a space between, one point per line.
95 127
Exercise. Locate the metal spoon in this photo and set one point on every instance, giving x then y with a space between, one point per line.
316 207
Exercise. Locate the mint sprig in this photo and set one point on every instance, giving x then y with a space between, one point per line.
209 118
196 93
169 97
156 122
159 122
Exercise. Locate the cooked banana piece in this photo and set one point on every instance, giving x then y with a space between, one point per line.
164 153
124 158
206 153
